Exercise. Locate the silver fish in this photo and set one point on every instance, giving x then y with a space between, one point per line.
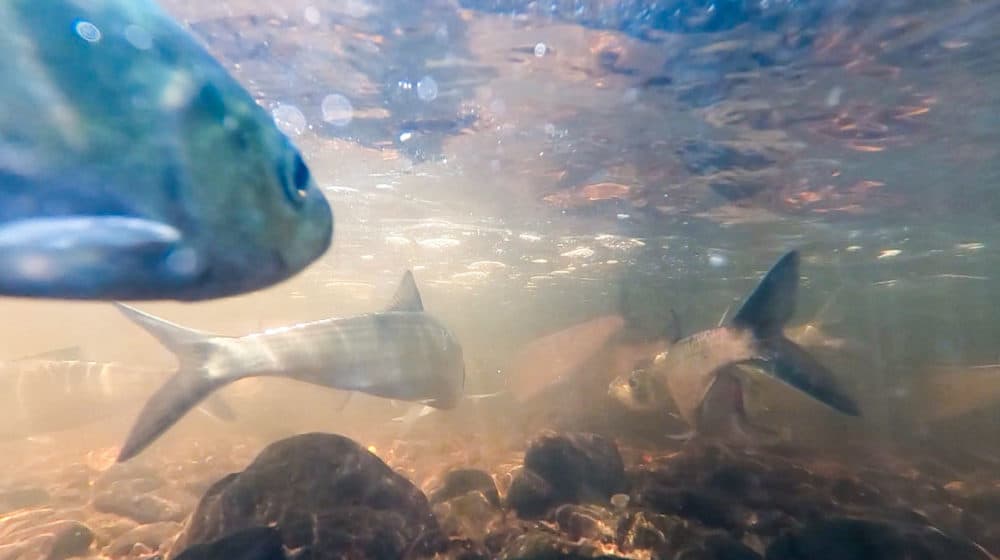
700 373
399 353
133 166
58 391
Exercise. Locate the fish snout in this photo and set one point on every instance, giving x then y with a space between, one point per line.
313 233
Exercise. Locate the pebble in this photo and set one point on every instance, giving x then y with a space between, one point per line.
153 535
530 495
462 481
52 541
144 508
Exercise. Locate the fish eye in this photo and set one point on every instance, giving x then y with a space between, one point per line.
300 176
295 178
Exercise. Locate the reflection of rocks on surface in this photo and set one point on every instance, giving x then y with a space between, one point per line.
325 493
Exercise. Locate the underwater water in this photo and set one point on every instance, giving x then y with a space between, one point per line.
575 186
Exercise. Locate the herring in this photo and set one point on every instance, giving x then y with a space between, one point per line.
700 373
400 353
133 166
61 390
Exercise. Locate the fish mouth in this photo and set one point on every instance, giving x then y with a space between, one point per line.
313 237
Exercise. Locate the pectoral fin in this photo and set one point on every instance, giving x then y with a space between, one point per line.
92 257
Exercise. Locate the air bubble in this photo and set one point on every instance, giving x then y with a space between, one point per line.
87 31
312 15
289 119
427 89
337 109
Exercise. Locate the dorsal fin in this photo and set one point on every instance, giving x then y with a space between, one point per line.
772 302
407 297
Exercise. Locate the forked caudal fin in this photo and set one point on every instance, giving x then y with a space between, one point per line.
195 380
765 313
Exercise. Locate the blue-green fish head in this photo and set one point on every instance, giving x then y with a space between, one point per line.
134 166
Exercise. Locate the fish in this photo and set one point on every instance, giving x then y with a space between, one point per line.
945 392
399 353
553 358
59 390
700 374
133 166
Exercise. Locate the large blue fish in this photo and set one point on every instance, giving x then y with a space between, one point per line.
133 166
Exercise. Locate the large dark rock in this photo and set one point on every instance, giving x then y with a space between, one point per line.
575 468
326 495
844 538
258 543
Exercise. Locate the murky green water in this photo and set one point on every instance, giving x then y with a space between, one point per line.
536 174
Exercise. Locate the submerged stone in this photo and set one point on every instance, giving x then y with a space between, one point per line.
467 515
530 495
845 538
542 545
258 543
323 493
578 468
586 522
144 508
153 536
52 541
462 481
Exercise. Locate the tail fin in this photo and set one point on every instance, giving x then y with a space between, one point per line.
196 379
765 313
790 363
772 303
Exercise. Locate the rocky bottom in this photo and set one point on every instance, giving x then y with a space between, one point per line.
570 495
